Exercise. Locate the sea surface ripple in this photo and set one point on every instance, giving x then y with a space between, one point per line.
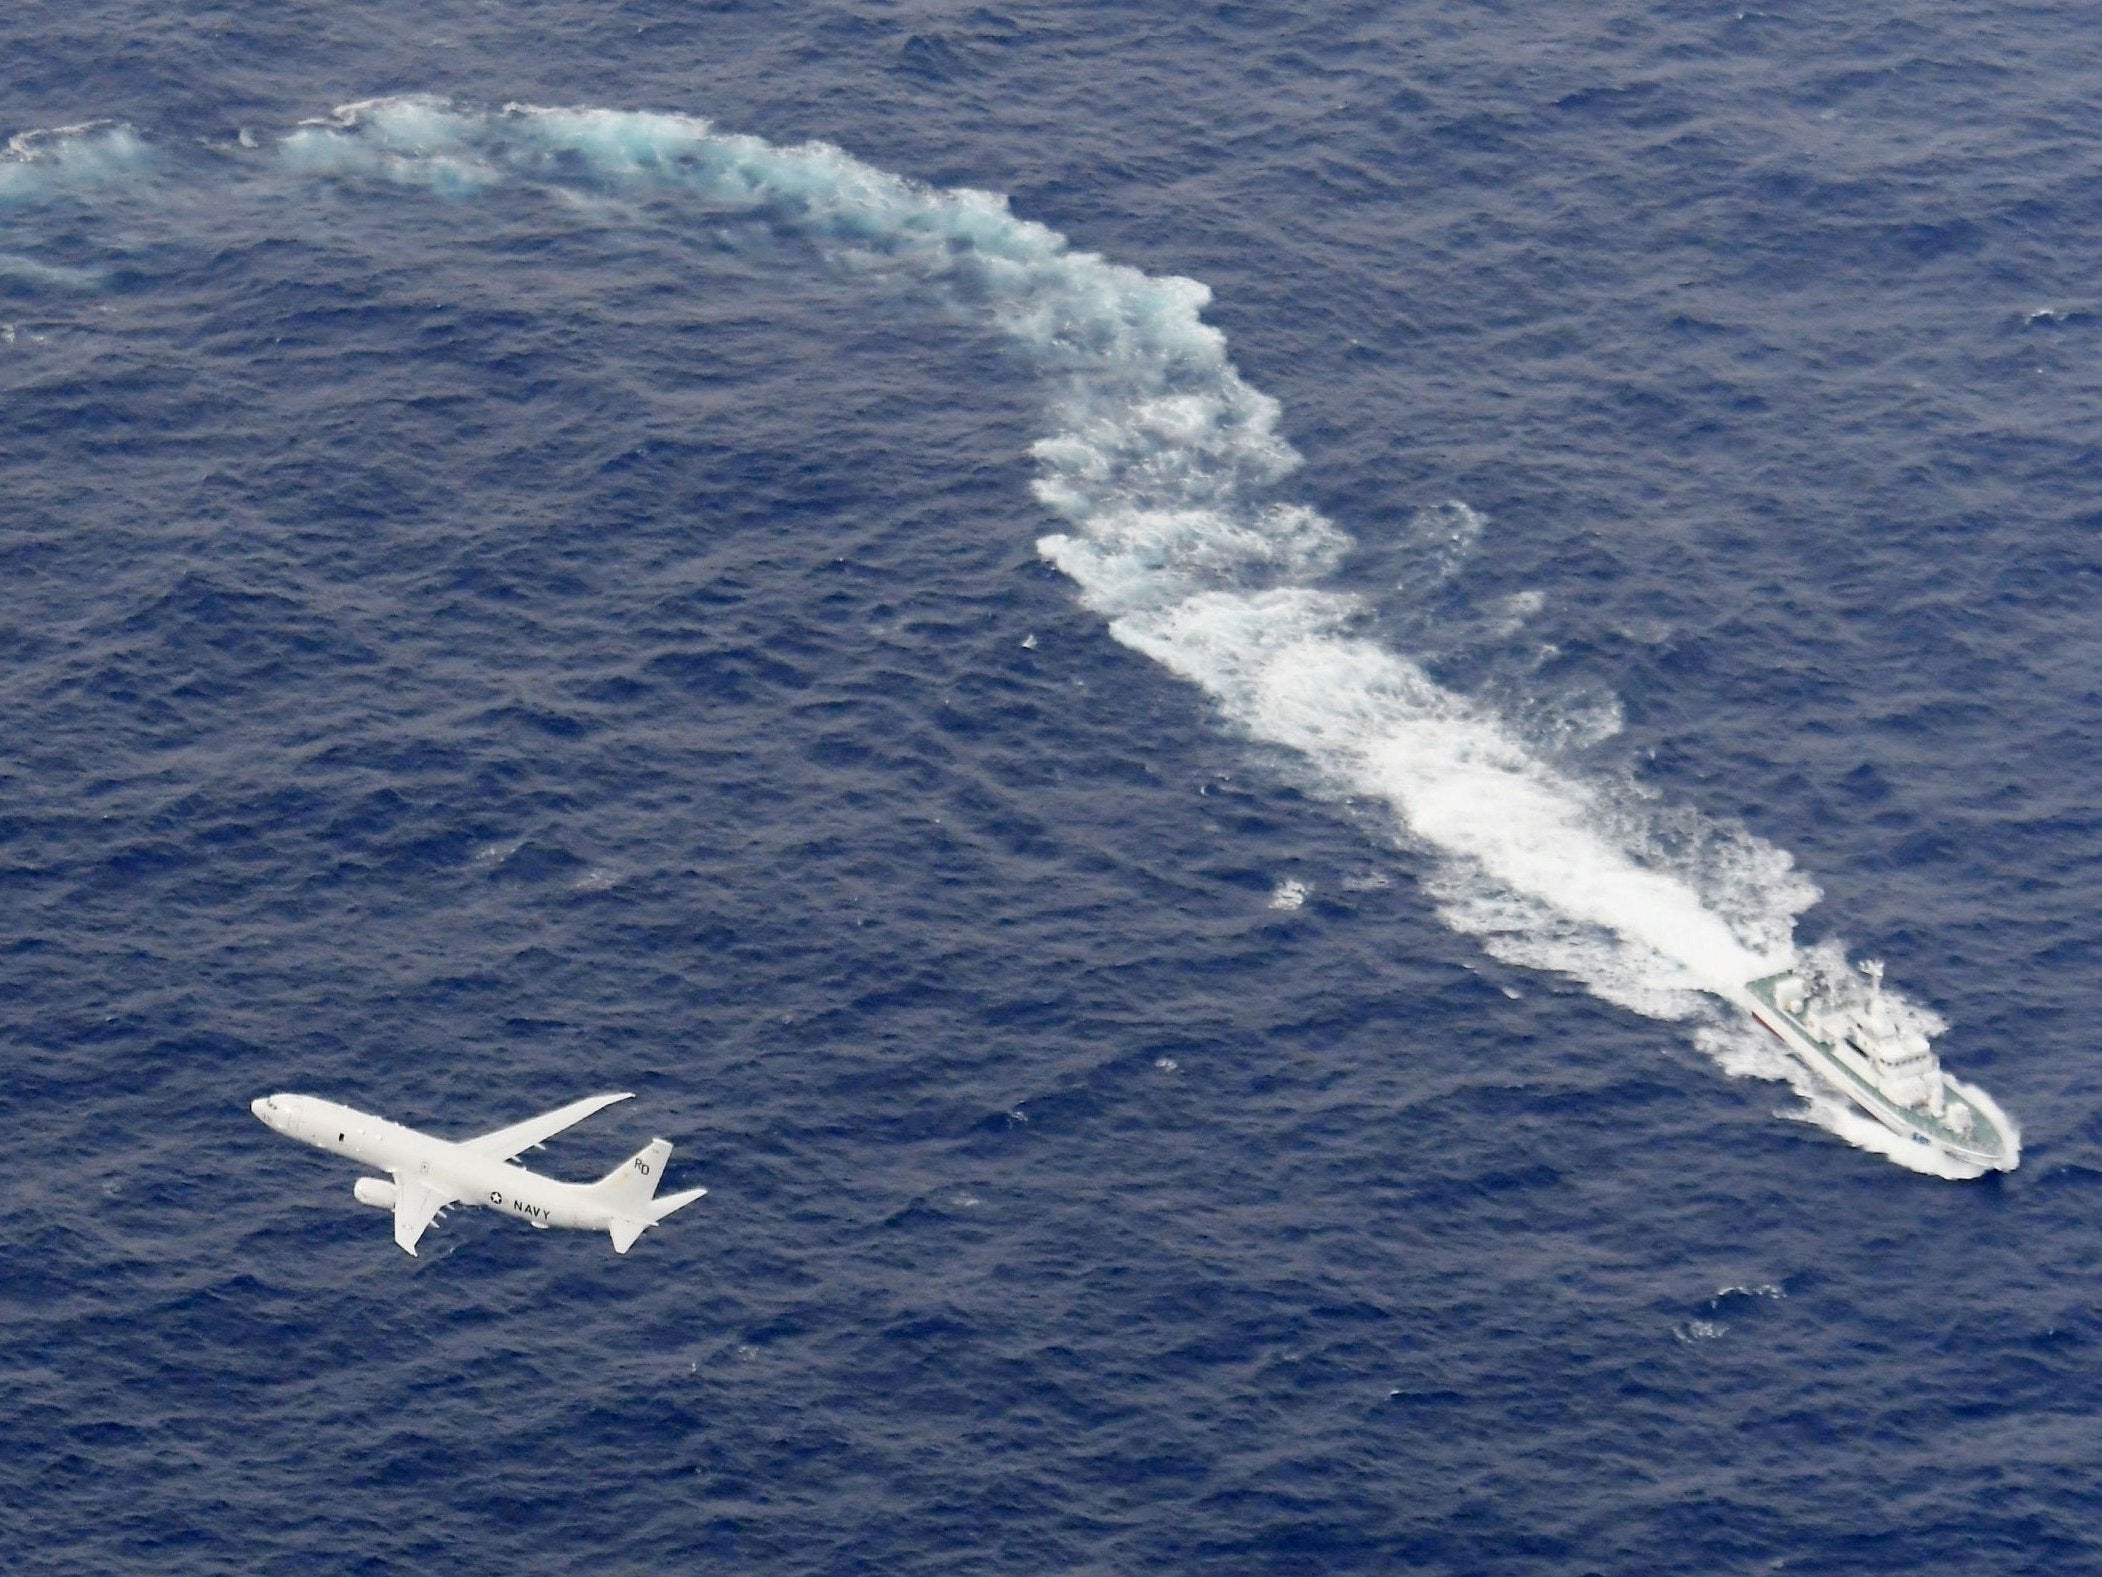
1132 666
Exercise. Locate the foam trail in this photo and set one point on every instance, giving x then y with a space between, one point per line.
95 153
1162 468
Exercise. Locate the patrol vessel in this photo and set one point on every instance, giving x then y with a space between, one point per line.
1887 1069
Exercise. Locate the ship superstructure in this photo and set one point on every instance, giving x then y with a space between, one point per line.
1885 1067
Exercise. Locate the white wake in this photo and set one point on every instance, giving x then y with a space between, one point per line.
1162 469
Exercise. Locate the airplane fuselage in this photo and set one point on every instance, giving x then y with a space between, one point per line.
430 1174
389 1147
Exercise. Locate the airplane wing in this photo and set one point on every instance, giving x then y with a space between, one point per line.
415 1202
508 1144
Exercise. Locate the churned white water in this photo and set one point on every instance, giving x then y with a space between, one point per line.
1162 469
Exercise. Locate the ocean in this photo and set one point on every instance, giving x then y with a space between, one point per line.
1134 665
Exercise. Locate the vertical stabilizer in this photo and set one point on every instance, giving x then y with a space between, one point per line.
631 1185
631 1190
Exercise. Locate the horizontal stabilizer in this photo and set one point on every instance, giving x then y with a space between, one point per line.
626 1229
661 1208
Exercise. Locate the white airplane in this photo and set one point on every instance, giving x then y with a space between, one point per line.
432 1175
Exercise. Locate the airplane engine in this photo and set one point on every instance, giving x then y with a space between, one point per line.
375 1192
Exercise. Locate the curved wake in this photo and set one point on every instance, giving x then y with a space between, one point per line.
1161 469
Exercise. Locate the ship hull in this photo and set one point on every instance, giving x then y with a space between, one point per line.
1987 1144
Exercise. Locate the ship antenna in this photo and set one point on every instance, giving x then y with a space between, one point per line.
1873 968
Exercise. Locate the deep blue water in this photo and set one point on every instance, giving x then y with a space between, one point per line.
1166 921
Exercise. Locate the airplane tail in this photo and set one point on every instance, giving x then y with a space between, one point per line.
626 1229
631 1188
635 1180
